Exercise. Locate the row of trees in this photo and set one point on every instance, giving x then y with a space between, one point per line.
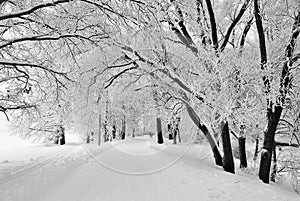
230 64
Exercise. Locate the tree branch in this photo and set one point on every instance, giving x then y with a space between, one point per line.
32 9
233 24
46 38
286 144
262 43
213 25
244 34
114 77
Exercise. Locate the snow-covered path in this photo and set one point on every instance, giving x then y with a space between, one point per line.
136 169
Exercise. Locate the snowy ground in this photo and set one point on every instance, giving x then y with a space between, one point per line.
134 169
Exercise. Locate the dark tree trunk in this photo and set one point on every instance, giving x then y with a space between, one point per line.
62 138
105 131
114 130
256 148
228 163
160 139
87 138
123 132
285 83
174 136
169 127
195 118
177 123
133 132
269 134
179 136
242 150
273 117
99 134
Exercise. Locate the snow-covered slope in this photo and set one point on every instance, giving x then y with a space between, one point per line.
134 169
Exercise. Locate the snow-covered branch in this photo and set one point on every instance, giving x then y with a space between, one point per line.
32 9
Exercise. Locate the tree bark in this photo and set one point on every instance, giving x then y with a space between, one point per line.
160 139
269 135
228 163
242 150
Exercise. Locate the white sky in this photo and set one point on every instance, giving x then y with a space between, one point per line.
6 139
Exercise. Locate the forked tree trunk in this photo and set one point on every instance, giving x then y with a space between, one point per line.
228 163
160 139
242 150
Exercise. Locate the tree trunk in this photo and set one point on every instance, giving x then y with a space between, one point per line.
179 136
160 139
175 136
256 148
228 163
274 169
285 84
178 119
133 132
99 136
105 131
266 154
242 146
61 138
242 150
123 132
169 127
88 138
114 130
195 118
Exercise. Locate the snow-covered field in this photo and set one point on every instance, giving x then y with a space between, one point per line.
134 169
